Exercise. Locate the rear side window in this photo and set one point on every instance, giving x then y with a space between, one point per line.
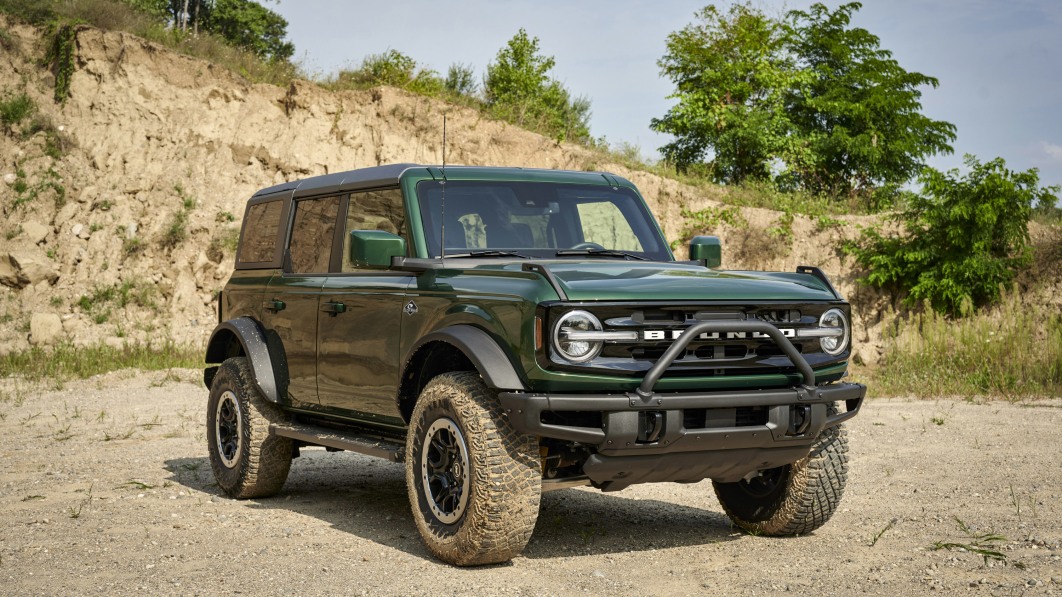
259 242
312 235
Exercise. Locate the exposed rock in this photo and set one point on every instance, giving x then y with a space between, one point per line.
45 328
35 231
19 269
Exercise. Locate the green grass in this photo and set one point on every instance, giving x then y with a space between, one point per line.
65 362
1012 351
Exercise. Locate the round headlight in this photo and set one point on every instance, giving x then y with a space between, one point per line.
572 349
834 321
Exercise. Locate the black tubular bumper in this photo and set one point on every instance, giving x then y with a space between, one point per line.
645 436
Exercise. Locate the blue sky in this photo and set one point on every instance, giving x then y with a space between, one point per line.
999 62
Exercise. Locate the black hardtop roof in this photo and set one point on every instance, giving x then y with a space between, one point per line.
389 175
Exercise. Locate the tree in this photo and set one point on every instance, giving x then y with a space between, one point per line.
858 112
730 72
518 88
253 27
805 98
243 23
965 236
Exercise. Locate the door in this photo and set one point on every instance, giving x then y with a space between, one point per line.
360 318
292 299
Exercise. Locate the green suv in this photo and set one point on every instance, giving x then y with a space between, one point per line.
506 331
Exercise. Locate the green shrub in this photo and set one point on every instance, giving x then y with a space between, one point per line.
391 68
966 236
15 108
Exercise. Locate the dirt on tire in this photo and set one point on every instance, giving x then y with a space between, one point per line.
106 488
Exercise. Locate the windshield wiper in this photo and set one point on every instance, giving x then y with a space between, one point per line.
488 253
600 253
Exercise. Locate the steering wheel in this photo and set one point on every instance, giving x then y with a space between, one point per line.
588 245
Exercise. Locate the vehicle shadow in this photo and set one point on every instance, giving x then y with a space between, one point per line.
366 497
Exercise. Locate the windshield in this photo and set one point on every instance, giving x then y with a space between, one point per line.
538 219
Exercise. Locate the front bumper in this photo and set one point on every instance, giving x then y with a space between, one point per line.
624 455
645 436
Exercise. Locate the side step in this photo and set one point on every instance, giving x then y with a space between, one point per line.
339 440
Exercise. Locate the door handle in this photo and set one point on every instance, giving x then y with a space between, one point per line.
275 305
333 309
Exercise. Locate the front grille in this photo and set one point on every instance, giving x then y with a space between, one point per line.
657 327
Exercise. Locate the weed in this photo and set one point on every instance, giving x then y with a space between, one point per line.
132 246
63 434
93 228
60 56
783 228
100 417
1013 350
155 422
885 529
985 545
707 220
136 484
30 498
75 512
224 217
108 437
104 299
12 233
16 108
65 361
825 222
938 421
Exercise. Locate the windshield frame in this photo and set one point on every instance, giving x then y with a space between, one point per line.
558 202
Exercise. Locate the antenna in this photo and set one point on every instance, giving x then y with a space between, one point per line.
442 201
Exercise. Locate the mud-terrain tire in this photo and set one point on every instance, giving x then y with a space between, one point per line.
474 483
247 461
794 499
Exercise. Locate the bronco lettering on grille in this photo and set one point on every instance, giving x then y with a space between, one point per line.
675 334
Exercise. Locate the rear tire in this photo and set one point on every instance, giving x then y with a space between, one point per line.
794 499
247 461
474 483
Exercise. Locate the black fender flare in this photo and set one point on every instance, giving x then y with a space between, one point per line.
253 340
490 360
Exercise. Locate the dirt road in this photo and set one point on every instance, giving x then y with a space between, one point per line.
105 488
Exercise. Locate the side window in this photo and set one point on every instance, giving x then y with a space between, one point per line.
605 224
260 226
312 234
374 210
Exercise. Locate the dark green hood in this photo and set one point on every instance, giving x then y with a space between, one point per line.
627 281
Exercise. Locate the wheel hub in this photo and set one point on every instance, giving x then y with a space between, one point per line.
227 424
444 470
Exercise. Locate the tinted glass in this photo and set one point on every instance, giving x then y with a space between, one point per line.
260 226
374 210
312 235
536 219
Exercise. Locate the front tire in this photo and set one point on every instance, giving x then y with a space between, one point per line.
794 499
247 461
474 483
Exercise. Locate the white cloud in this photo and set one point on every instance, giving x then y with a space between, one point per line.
1052 151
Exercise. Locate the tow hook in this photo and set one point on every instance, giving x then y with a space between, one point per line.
799 419
650 426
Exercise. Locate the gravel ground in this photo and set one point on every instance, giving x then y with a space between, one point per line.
105 488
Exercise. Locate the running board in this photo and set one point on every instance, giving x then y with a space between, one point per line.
339 440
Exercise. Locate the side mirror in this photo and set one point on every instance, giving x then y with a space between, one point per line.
375 248
708 250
